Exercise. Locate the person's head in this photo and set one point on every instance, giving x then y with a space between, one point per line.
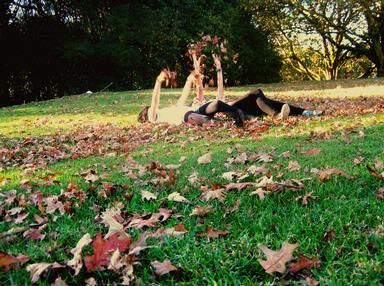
143 115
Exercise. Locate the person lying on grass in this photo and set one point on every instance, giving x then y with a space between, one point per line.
253 104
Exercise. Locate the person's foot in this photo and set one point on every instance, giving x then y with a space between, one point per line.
284 112
313 112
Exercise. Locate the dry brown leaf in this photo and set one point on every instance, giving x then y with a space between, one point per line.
146 195
304 199
293 166
213 233
358 160
177 230
109 219
115 263
90 282
276 260
257 170
326 174
205 159
201 211
310 152
261 157
380 194
162 268
330 235
260 192
59 282
240 186
304 263
176 197
374 172
310 281
36 269
76 263
218 194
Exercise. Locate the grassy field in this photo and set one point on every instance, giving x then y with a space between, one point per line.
74 160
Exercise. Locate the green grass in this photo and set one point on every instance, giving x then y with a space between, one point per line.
349 207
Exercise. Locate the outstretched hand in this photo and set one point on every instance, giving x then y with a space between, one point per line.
217 61
168 76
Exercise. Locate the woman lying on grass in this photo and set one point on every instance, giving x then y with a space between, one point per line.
253 104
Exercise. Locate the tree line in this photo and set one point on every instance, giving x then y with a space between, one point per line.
53 48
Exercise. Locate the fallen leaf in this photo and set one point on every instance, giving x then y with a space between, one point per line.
146 195
109 219
240 186
76 263
374 172
310 281
176 197
276 260
380 194
213 233
218 194
59 282
36 269
304 263
262 157
260 192
257 170
310 152
7 261
90 282
304 199
205 159
201 211
325 174
330 235
177 230
293 166
358 160
162 268
234 208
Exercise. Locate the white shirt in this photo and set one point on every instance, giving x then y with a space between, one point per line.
172 114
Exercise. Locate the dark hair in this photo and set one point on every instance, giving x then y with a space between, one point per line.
143 115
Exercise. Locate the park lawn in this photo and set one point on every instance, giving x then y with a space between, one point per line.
342 226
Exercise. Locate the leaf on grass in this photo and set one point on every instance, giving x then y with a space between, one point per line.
310 281
213 233
310 152
276 260
162 268
177 230
330 235
140 244
34 234
304 263
201 211
240 186
234 208
146 195
7 261
90 282
36 269
261 157
374 172
257 170
293 166
207 194
76 263
176 197
358 160
109 219
304 199
103 248
205 159
380 194
326 174
59 282
260 192
54 204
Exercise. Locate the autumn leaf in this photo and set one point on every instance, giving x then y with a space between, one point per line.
293 166
240 186
304 199
146 195
380 194
36 269
218 194
304 263
201 211
109 219
177 230
276 260
205 159
259 192
103 248
374 172
326 174
213 233
7 261
176 197
59 282
330 235
76 263
162 268
310 152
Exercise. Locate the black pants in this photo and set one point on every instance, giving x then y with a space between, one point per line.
249 106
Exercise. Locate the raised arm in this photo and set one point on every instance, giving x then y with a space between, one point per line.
154 108
220 81
186 90
198 78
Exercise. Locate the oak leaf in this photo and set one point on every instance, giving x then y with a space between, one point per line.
213 233
276 260
177 230
146 195
293 166
201 211
76 263
326 174
162 268
109 219
218 194
7 261
304 263
36 269
260 192
313 151
205 159
176 197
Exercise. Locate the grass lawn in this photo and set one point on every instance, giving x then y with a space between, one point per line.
66 164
